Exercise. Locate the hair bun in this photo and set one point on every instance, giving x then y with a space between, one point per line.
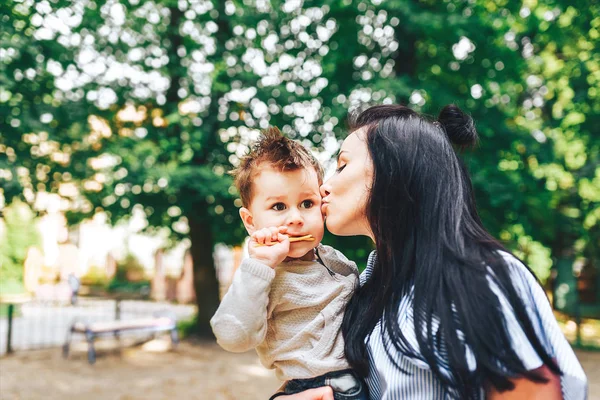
459 126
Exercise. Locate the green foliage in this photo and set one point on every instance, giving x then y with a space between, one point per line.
186 328
4 309
95 276
129 278
127 287
129 270
11 287
19 234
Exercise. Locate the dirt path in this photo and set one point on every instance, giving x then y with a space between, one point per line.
193 371
590 361
201 371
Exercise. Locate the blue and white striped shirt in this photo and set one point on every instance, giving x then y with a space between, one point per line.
387 382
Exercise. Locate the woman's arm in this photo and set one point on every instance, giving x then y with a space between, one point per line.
526 389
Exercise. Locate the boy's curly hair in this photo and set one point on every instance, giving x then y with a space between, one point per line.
278 151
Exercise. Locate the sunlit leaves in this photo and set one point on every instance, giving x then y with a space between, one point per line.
152 102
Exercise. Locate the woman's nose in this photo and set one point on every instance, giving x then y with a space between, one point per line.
324 189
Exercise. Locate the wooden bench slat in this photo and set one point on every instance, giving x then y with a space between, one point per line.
101 327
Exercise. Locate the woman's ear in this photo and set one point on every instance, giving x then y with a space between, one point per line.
247 219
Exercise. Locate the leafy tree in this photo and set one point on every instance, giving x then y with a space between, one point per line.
528 74
148 105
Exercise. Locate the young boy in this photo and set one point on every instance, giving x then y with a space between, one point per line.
287 300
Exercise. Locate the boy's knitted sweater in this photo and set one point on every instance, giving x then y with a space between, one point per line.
291 314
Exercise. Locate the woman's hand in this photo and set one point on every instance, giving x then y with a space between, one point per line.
270 246
321 393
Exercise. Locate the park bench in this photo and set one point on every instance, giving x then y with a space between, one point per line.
158 323
567 297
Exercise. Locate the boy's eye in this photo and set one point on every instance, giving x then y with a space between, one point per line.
340 169
306 204
278 207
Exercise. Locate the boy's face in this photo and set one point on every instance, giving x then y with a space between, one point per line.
287 198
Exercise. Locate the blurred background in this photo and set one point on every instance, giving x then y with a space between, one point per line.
120 119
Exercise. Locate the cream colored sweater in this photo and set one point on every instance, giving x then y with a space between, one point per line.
291 314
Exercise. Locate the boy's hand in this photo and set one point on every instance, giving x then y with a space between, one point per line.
269 245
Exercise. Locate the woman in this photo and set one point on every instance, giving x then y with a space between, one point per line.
443 310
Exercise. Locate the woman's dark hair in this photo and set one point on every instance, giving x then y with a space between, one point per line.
428 234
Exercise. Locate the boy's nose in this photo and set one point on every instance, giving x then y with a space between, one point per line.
295 218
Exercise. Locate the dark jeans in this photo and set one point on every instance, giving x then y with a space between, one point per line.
346 385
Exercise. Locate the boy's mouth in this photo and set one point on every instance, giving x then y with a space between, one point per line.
307 238
293 239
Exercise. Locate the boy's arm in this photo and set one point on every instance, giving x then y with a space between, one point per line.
240 323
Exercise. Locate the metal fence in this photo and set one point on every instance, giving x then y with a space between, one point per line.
40 324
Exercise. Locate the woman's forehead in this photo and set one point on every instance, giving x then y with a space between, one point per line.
355 140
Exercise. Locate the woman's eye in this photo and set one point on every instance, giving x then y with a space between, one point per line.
340 169
278 207
306 204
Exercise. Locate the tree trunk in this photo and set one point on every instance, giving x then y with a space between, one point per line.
206 284
205 278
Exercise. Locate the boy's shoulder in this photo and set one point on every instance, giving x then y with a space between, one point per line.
336 260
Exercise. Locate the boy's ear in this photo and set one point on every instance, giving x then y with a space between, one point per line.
247 219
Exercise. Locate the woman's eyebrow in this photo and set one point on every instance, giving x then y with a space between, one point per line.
340 153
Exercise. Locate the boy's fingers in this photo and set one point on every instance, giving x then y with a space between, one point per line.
274 233
266 232
259 236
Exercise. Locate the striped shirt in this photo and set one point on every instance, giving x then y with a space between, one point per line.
387 382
